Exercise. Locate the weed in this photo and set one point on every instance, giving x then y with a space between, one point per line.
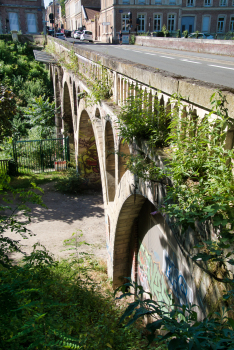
71 182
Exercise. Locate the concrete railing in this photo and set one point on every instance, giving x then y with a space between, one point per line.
127 76
226 47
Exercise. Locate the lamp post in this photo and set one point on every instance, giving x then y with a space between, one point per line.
54 18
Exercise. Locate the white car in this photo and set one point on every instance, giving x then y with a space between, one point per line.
87 35
60 36
200 36
77 34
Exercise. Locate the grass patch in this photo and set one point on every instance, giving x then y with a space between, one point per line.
25 180
60 305
67 181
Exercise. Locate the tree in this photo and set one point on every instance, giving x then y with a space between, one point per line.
62 4
7 110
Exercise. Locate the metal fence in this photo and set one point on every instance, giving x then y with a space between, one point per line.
4 166
37 156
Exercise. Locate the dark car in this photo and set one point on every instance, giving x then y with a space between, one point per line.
67 33
51 32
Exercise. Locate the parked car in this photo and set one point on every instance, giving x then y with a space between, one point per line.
87 35
67 33
60 36
51 32
77 34
200 36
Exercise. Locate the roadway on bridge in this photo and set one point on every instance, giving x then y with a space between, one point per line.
216 69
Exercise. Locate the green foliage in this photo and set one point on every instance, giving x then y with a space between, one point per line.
138 121
229 36
62 4
178 35
20 72
40 116
7 110
71 182
23 81
198 176
25 180
158 34
46 304
165 30
181 329
197 33
198 167
132 39
100 85
12 221
185 33
57 305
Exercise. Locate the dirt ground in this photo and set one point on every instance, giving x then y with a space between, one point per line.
66 214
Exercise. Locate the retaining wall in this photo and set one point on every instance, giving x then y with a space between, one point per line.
217 47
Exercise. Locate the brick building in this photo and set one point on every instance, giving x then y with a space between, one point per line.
26 16
209 16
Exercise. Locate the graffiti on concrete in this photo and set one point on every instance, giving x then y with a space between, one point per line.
176 280
158 280
151 277
88 159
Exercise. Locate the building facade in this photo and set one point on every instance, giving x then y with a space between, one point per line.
55 8
82 14
26 16
209 16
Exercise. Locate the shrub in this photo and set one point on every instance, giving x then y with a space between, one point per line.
71 182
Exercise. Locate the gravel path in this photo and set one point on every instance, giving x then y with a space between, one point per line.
66 214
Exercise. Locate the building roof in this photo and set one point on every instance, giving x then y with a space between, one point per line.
91 13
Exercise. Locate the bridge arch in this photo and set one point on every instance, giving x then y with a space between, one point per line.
110 161
89 153
67 113
123 236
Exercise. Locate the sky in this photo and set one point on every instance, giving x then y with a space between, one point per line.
47 2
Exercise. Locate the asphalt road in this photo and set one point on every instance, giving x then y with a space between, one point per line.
216 69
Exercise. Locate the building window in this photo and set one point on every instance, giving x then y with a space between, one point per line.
172 2
223 3
13 20
206 24
126 2
31 20
157 23
125 21
232 24
171 23
141 27
220 25
159 2
207 3
190 3
141 2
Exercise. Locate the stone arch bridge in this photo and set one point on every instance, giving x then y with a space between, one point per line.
139 245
